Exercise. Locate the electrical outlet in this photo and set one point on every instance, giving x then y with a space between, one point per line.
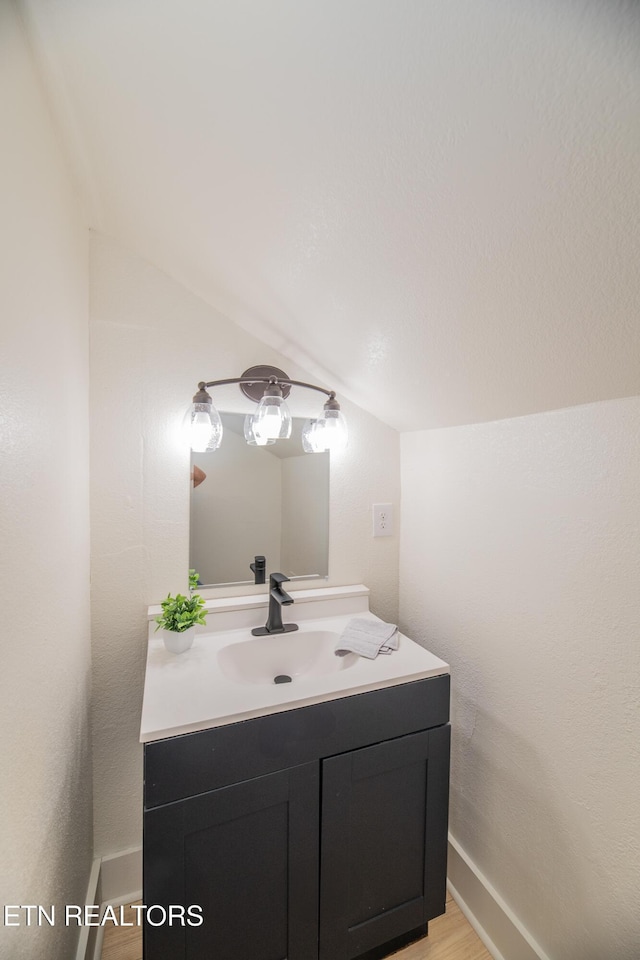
383 520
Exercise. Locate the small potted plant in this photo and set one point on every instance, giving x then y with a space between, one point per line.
180 616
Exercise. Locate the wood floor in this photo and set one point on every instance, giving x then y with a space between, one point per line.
450 938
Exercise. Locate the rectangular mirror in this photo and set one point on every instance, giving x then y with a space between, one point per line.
271 501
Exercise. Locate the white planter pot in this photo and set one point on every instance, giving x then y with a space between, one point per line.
178 642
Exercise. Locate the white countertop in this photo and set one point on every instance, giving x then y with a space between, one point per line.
188 692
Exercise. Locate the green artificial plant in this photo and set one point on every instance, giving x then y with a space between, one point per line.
179 612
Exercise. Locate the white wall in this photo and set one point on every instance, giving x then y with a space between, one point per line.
520 564
45 770
151 342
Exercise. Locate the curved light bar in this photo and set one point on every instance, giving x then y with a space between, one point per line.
271 421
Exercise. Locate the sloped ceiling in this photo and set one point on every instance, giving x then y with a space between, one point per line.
434 205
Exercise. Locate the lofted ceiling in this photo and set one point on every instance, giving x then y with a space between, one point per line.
433 205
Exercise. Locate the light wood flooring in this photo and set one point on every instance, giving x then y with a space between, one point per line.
450 938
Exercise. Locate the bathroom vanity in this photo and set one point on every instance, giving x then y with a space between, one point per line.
311 823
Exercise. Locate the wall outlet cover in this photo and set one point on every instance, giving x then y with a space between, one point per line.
382 519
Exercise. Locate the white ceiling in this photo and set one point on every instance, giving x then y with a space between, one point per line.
432 204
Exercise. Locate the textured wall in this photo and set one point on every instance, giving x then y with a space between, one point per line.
520 565
45 770
151 341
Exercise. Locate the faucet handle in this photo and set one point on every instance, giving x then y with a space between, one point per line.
258 568
277 578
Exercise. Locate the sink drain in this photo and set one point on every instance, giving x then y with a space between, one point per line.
282 678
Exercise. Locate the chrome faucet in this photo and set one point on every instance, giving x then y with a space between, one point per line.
278 598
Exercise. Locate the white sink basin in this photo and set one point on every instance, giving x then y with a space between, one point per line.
228 675
288 656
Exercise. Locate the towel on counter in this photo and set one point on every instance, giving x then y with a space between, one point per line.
367 638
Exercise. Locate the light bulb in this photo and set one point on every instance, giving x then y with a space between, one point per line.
272 420
330 433
206 428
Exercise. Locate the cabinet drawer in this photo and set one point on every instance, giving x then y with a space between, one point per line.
194 763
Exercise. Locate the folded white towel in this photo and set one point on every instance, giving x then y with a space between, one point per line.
367 638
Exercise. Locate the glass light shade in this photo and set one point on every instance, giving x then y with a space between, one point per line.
272 420
330 433
206 428
254 439
308 437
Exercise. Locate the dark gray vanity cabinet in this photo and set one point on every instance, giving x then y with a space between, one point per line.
319 833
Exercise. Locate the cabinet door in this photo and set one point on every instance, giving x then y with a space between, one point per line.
248 855
384 842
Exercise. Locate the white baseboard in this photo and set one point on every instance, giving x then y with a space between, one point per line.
502 933
114 880
87 938
121 877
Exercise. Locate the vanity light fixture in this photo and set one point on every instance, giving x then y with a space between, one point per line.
269 387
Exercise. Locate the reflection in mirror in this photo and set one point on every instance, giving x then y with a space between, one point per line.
249 501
